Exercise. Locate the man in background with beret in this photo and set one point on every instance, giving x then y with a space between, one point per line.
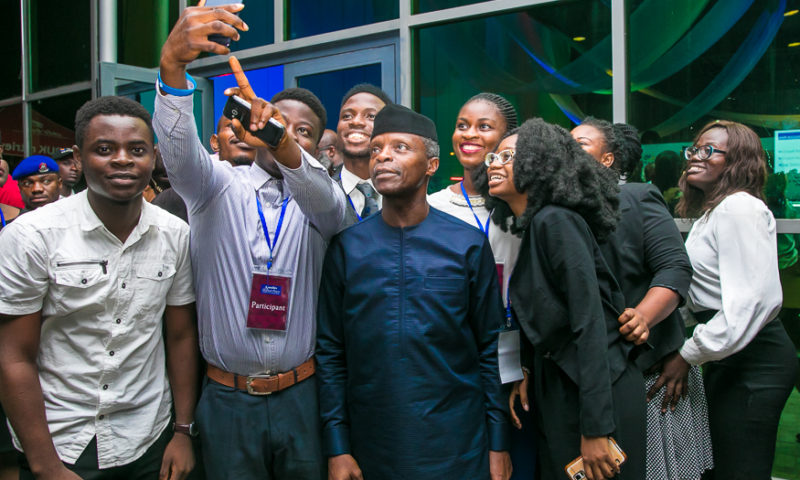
38 181
70 172
408 321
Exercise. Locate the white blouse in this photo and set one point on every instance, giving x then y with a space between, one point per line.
733 250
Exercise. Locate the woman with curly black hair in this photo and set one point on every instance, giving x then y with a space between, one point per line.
748 360
567 302
648 259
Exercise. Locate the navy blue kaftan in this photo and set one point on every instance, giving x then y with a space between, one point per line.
407 350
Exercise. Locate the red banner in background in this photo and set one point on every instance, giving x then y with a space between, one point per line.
47 135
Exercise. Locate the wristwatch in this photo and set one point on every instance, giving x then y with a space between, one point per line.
187 429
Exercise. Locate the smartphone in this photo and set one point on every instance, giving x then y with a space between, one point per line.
239 109
575 469
221 39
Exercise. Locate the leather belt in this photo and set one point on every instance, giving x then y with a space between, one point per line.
262 384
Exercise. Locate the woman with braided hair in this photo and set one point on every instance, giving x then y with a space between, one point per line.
481 123
648 259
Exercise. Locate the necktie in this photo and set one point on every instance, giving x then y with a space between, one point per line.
370 199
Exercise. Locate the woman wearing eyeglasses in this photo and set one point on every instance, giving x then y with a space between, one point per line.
566 300
748 360
648 258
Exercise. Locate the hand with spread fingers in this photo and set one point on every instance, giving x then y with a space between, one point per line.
260 110
675 378
287 152
189 38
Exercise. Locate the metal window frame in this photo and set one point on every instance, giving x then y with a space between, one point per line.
397 31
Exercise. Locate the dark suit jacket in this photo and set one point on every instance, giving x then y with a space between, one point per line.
350 214
567 302
646 250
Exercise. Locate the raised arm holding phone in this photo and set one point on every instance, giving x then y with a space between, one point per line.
259 234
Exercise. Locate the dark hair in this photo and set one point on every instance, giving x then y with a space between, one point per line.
553 169
366 88
622 140
668 168
305 96
109 106
503 106
745 171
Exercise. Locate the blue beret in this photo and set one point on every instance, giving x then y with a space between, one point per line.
34 165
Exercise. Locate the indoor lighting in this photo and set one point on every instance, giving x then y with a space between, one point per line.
578 39
790 13
794 44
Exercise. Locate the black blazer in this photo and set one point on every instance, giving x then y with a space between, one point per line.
646 250
567 303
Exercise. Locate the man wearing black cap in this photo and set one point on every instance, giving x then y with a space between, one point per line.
408 324
38 181
356 117
69 170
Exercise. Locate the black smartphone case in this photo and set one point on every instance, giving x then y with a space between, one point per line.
271 134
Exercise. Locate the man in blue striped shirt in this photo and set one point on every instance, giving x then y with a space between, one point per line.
255 231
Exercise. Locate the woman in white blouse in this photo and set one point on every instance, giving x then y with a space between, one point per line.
748 360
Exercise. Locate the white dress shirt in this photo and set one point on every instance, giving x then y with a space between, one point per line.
349 182
733 250
101 354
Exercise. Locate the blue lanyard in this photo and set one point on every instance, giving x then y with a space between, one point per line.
350 199
354 207
480 225
273 243
508 306
2 218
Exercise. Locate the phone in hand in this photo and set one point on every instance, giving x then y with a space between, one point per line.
239 108
575 470
221 39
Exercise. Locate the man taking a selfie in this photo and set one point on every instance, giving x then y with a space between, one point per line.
258 237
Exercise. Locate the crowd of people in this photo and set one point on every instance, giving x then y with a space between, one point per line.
303 309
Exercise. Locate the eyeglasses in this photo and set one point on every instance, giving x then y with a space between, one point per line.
505 156
703 152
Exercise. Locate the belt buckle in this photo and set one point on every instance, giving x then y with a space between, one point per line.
250 386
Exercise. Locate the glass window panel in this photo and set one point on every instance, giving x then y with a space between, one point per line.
312 17
693 62
551 61
142 28
53 122
330 87
60 36
10 48
260 17
11 133
422 6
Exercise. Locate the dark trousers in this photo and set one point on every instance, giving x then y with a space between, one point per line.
523 444
145 467
746 393
271 437
558 427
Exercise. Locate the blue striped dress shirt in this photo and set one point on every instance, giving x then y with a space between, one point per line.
227 242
